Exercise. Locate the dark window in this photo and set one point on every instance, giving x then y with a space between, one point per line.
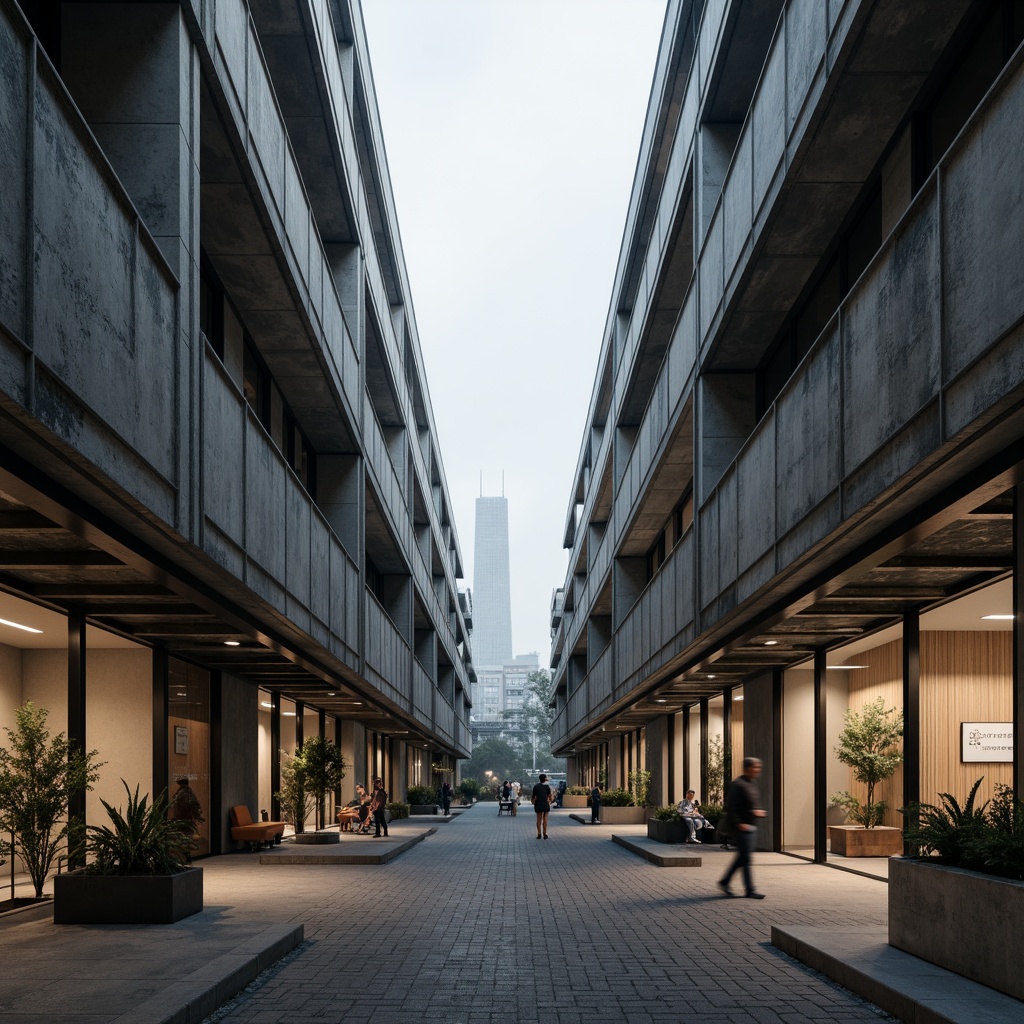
256 384
211 307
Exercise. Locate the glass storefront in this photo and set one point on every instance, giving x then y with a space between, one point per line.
188 738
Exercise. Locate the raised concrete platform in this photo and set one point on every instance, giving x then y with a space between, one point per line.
352 849
911 989
132 974
663 855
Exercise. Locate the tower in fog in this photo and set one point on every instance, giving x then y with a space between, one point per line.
492 601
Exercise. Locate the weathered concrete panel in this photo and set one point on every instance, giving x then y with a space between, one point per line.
890 327
818 523
985 385
807 425
708 571
297 218
13 117
983 232
264 501
736 204
222 440
910 447
710 274
232 28
728 529
297 534
267 130
767 123
755 481
805 32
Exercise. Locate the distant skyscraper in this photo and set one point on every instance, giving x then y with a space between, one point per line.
492 601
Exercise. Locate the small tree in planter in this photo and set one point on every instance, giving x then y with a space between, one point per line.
323 768
869 745
39 777
295 796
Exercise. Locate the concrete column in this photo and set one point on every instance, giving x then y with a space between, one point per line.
340 487
76 717
629 577
820 759
658 759
911 706
349 273
1018 636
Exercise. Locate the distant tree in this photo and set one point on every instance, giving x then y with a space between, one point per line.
500 758
532 723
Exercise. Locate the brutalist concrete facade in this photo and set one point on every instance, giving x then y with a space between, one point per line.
209 363
813 361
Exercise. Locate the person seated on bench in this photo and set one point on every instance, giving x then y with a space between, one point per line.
689 809
350 813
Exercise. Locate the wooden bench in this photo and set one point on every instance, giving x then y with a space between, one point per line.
255 833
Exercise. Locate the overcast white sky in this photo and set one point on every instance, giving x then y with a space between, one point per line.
512 131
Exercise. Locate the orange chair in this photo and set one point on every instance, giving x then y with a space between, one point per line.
245 830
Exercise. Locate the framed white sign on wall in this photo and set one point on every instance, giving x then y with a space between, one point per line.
986 741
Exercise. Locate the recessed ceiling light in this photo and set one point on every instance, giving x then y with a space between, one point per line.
660 700
846 667
740 697
232 643
1000 618
18 625
288 714
712 677
770 643
332 695
265 704
182 694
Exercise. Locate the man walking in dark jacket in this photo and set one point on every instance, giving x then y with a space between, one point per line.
743 809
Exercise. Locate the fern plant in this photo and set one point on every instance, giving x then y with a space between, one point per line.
140 841
948 830
667 814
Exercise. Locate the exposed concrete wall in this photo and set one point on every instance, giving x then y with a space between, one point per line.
657 759
240 747
757 742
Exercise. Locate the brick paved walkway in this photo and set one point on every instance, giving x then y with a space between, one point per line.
483 924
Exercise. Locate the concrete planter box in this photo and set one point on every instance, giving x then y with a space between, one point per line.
963 921
856 841
317 838
423 809
623 815
667 831
574 800
79 898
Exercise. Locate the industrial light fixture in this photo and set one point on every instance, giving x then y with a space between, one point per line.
18 625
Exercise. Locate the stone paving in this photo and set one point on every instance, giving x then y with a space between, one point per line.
484 924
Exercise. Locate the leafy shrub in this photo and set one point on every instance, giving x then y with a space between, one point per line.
470 789
141 841
869 744
577 791
668 813
713 812
617 798
421 795
398 810
988 839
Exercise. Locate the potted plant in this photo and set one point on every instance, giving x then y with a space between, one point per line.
666 825
39 776
422 800
959 901
323 768
138 871
869 744
618 807
295 797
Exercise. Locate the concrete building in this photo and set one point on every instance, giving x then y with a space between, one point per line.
492 637
800 482
222 501
498 693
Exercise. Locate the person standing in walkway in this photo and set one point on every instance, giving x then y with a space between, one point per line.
446 798
541 800
377 808
595 805
743 807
